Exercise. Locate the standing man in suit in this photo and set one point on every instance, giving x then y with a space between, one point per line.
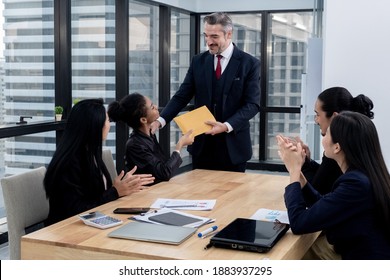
232 95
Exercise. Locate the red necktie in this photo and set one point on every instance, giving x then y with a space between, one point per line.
218 70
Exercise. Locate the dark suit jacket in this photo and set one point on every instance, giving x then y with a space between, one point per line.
76 191
241 98
145 152
347 215
322 176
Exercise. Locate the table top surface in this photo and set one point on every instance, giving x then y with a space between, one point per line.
236 194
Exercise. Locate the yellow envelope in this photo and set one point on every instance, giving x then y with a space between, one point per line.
195 120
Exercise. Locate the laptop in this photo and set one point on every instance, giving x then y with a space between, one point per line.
249 235
153 233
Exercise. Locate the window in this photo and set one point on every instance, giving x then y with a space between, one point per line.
93 52
93 49
27 82
280 123
180 61
143 49
289 35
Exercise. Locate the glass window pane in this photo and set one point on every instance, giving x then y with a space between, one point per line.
93 49
180 61
287 124
27 61
27 82
143 49
93 53
255 136
289 35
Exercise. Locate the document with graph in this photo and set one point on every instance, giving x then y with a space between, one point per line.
271 215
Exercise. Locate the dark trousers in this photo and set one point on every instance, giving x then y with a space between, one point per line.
215 156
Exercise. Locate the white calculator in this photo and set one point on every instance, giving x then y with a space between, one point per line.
99 220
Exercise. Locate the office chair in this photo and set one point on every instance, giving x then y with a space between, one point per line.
26 206
109 162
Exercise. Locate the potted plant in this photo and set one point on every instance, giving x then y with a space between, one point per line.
58 111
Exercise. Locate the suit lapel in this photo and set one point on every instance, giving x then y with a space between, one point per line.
230 72
209 71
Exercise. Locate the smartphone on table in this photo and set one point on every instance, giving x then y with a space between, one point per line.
131 210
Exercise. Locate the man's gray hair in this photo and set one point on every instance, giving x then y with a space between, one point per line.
220 18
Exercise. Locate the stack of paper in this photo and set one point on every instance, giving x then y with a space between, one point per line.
184 204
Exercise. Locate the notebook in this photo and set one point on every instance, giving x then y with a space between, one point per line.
153 233
249 235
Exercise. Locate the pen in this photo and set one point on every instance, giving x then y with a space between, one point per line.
210 234
147 213
211 229
179 206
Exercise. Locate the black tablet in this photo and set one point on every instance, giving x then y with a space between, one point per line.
249 235
174 219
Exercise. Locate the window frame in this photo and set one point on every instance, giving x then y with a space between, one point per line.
63 76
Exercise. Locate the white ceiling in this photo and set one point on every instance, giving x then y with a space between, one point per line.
205 6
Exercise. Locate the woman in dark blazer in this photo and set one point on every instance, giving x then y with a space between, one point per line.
329 103
77 178
142 147
355 215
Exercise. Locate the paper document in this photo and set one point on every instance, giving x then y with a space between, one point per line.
168 216
195 120
184 204
271 215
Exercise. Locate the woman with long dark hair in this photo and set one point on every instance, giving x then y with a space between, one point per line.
355 215
77 178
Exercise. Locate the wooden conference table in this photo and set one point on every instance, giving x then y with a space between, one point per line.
236 194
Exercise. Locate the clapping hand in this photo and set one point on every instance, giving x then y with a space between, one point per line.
293 156
129 183
305 148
